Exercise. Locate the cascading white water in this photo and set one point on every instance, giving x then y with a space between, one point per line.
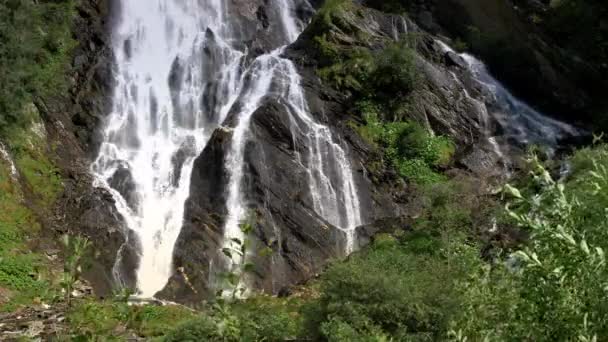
156 128
518 121
336 202
7 157
178 76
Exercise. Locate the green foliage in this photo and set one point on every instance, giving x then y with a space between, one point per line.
202 328
412 150
108 320
560 274
36 44
417 171
349 73
30 152
385 76
255 319
402 289
395 73
331 11
21 271
74 251
268 319
238 254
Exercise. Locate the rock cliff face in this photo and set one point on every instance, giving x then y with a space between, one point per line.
510 37
296 241
275 183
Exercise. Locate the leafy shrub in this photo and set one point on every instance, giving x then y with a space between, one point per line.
393 290
153 320
395 72
89 319
21 270
336 330
416 142
350 73
560 274
264 318
202 328
418 171
413 152
331 10
255 319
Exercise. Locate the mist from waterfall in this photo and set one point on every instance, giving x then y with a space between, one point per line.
180 70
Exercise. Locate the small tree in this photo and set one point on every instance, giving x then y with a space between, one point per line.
74 251
239 266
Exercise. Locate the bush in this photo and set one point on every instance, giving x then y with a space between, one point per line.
255 319
412 151
403 290
416 142
200 329
560 274
395 73
385 76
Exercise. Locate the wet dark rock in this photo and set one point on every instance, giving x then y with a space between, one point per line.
185 151
197 249
122 181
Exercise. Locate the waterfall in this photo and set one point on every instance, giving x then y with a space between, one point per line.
7 158
181 70
518 122
337 202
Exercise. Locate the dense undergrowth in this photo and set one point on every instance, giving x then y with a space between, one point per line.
23 198
36 41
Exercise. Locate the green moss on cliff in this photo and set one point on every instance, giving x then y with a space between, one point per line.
26 197
415 153
34 54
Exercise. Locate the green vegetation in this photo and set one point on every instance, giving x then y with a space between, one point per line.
560 273
35 50
427 282
410 149
404 287
74 252
380 83
386 76
257 319
330 13
389 291
23 273
93 320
